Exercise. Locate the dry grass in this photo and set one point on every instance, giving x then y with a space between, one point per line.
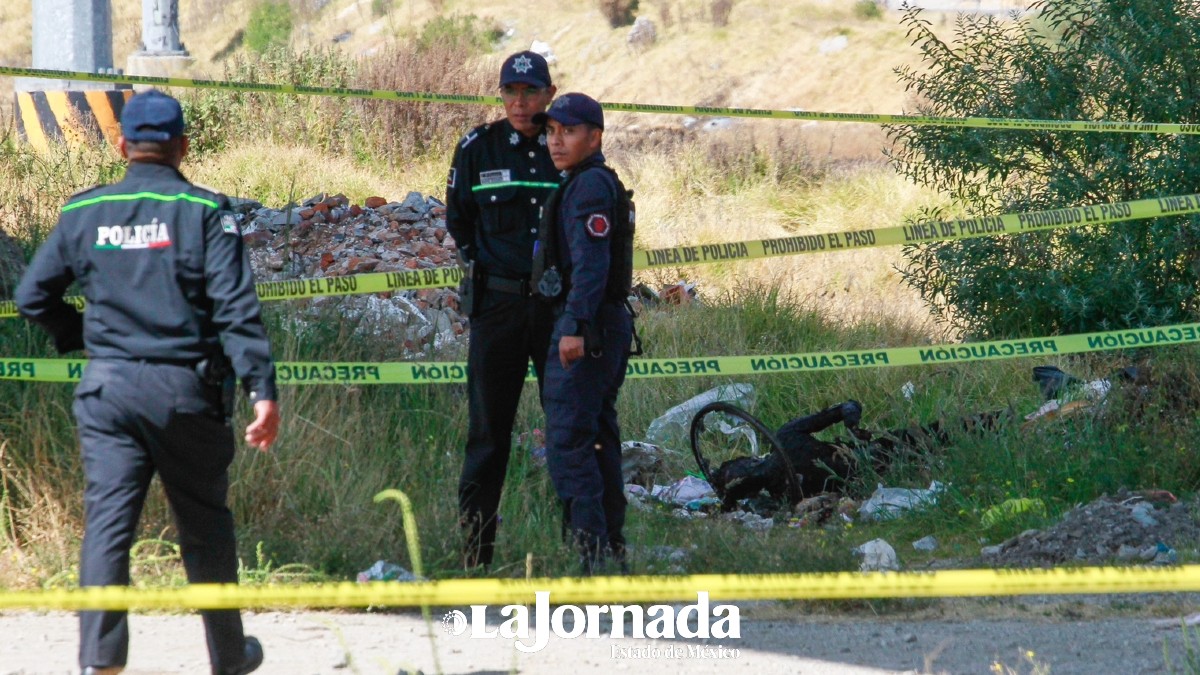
295 174
749 184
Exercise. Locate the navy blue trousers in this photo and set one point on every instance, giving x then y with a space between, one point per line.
137 419
583 439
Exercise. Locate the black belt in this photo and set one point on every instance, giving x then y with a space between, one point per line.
505 285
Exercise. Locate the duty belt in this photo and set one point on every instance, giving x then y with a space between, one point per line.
505 285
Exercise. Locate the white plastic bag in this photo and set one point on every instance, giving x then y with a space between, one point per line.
890 502
671 429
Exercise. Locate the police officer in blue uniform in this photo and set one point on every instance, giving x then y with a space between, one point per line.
171 314
500 177
584 266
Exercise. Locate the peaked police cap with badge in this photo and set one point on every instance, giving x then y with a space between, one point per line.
525 68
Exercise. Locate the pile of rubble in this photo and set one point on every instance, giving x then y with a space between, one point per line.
327 236
1130 528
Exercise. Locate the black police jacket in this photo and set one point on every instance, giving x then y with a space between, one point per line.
164 272
499 180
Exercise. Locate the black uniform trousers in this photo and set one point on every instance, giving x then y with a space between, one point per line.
507 331
583 440
135 419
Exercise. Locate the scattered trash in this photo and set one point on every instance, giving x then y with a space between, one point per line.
673 427
751 521
636 496
383 570
1010 509
908 390
890 502
641 463
927 544
703 504
878 556
821 509
681 293
1166 555
1141 512
682 491
1067 395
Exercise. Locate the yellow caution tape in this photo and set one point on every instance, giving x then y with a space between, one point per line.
445 372
759 113
612 590
966 228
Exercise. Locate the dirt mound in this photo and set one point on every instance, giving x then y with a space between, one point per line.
1128 528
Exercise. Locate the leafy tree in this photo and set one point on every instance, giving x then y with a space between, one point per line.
1117 60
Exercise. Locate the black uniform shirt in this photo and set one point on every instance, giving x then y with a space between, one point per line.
498 181
164 272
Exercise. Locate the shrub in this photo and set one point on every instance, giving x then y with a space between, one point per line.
459 33
217 118
1069 60
270 25
867 9
619 12
403 130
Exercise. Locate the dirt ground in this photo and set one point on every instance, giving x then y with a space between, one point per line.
369 643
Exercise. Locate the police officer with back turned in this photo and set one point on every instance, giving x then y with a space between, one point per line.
171 315
584 266
499 179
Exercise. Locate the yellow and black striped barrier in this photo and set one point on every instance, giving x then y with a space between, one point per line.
71 116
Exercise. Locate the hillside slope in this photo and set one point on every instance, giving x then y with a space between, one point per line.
811 54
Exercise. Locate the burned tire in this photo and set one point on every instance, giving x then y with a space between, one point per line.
705 463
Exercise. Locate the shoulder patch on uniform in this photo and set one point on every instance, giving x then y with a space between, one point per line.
598 226
475 133
229 224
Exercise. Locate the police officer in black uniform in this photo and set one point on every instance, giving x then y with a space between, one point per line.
171 313
500 177
584 266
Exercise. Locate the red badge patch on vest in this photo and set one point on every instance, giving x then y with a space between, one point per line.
597 226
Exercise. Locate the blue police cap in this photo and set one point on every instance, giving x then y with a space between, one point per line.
525 67
152 116
573 109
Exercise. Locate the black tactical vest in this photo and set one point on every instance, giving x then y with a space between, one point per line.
550 282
